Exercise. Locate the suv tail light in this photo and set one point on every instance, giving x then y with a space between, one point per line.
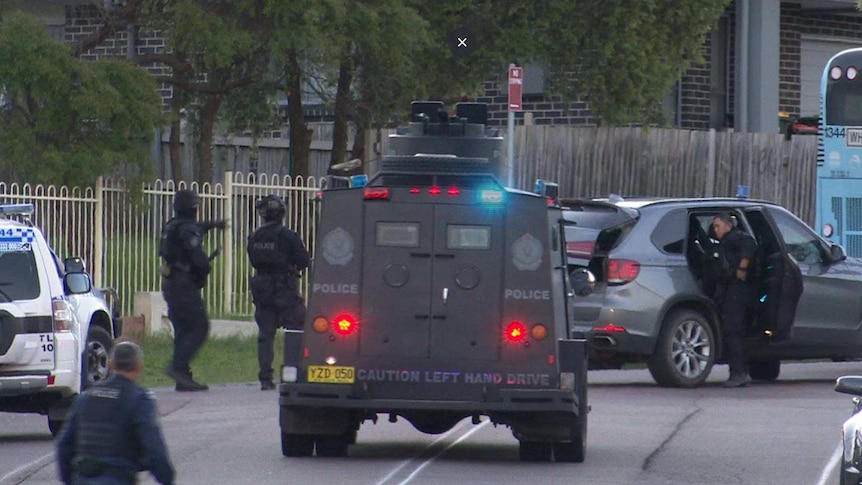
622 271
62 315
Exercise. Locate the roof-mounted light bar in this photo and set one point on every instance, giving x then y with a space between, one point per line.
16 209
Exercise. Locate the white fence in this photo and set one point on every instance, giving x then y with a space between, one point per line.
117 230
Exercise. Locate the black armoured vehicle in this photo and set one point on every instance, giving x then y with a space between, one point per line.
436 295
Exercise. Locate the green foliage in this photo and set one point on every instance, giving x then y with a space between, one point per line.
67 120
220 361
625 55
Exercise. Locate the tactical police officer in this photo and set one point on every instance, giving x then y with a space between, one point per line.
735 294
112 431
278 255
184 274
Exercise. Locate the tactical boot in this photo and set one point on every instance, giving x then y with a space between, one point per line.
267 385
184 380
740 380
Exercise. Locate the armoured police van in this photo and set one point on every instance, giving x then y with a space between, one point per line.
437 294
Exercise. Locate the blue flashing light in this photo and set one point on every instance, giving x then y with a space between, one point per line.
491 196
763 299
360 180
742 191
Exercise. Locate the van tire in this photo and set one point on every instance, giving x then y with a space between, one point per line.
535 451
685 350
764 370
94 367
333 446
297 444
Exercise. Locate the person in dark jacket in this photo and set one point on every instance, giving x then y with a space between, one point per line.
735 293
112 431
277 255
184 275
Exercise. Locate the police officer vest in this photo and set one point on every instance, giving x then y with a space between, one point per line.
268 252
103 428
168 247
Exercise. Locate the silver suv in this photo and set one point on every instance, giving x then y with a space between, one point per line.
55 328
651 257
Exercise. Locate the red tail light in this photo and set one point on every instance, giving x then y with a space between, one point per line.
62 315
376 193
580 249
516 332
622 271
610 328
345 324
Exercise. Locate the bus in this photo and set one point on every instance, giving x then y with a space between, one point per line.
839 152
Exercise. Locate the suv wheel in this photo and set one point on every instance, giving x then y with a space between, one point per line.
96 357
684 353
297 444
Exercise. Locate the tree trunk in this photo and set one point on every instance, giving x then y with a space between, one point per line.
362 119
175 143
208 114
342 111
300 135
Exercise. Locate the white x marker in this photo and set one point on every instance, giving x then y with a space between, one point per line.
462 42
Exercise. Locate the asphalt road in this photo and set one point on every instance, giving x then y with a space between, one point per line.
782 433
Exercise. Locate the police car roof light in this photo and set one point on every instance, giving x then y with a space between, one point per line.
434 190
16 209
453 190
492 196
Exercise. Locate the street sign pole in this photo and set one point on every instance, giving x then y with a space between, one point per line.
515 88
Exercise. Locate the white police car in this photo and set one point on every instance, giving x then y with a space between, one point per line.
55 328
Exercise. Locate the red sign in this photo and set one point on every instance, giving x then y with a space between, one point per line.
516 78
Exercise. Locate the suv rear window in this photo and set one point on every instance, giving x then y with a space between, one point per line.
19 277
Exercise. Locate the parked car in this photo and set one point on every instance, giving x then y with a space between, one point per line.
651 302
850 472
55 328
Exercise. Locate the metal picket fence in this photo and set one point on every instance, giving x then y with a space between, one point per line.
116 230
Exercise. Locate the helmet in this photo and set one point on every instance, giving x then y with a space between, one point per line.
271 208
186 201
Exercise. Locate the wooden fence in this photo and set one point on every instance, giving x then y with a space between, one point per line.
595 162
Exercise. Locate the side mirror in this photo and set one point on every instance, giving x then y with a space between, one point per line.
583 281
74 265
77 283
849 385
836 252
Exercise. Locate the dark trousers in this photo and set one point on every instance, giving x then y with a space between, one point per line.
269 318
189 318
735 304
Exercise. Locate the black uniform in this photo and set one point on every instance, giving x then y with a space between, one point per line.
112 432
277 254
734 296
184 275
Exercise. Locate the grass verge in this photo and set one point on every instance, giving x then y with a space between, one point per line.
220 360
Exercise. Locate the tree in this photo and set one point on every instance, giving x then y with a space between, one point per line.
624 56
63 120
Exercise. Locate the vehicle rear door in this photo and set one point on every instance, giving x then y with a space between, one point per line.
466 282
25 309
396 280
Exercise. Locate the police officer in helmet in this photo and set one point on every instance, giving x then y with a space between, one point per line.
112 431
277 255
184 274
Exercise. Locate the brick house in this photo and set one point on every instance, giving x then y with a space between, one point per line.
788 43
786 56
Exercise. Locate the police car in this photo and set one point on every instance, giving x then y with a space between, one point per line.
55 328
437 294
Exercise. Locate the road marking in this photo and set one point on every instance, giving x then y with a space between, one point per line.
833 462
24 470
429 460
410 460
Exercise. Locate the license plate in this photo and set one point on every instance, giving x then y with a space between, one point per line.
331 374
